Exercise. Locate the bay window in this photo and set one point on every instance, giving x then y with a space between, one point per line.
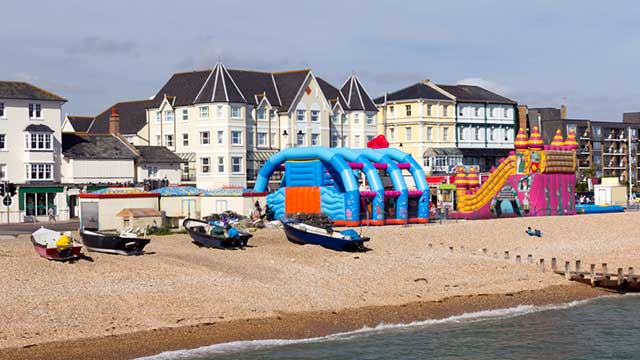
38 141
236 112
236 137
260 114
262 139
203 112
39 172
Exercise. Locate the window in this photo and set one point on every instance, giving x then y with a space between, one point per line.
262 139
220 137
407 110
236 137
429 110
236 164
35 111
236 112
445 110
356 141
220 164
168 140
185 139
492 112
260 114
204 138
334 119
300 115
300 139
477 111
597 131
492 133
185 114
356 119
152 172
445 134
345 141
39 172
461 133
369 138
408 133
2 114
315 115
477 133
273 139
3 144
429 133
392 134
219 111
203 112
460 111
344 118
38 141
3 171
205 165
370 120
392 111
315 139
334 140
158 140
168 116
158 116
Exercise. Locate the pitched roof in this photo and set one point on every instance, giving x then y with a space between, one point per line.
38 128
255 84
80 123
472 93
133 118
26 91
288 84
219 87
356 95
332 94
96 147
416 91
157 154
184 86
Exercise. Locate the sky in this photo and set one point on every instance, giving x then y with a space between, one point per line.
541 53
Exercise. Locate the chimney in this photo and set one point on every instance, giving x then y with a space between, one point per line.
522 116
114 122
563 112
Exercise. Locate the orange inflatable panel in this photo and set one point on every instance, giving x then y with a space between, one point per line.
302 199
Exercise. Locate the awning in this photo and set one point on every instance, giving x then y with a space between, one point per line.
442 152
260 155
189 157
38 128
497 153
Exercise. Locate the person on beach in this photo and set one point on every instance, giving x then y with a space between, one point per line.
52 215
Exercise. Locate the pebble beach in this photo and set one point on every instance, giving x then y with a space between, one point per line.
179 295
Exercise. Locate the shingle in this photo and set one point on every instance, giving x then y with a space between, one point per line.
356 95
416 91
252 83
26 91
157 154
184 86
472 93
289 83
133 117
80 123
95 147
332 93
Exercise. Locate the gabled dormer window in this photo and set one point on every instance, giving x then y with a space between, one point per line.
260 114
168 116
158 116
38 141
35 111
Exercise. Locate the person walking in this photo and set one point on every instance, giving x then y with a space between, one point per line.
52 215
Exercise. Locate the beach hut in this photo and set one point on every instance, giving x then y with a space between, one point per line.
179 203
240 201
140 218
99 210
610 192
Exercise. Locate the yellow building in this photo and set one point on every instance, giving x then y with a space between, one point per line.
420 120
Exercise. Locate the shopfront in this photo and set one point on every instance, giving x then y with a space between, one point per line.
35 202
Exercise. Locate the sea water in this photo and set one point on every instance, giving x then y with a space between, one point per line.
603 328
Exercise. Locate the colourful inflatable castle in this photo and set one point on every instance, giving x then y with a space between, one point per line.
534 180
319 179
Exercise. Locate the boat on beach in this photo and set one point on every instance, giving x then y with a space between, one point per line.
54 245
125 243
345 240
214 236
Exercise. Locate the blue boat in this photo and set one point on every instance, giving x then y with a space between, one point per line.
301 233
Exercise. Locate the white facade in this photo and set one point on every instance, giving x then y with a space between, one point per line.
80 171
485 125
159 171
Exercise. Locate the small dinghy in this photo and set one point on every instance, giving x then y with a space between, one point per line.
213 235
53 245
301 233
125 243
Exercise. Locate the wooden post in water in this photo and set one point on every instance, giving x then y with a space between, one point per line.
542 264
604 271
620 276
554 265
518 260
578 267
530 259
506 255
593 274
567 270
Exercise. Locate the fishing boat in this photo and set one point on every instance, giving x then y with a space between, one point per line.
124 243
215 236
53 245
345 240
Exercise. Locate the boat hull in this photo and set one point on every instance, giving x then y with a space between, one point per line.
302 237
53 253
197 230
113 244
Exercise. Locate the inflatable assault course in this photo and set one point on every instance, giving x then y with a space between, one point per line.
535 180
319 179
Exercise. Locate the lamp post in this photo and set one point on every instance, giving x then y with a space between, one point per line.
300 133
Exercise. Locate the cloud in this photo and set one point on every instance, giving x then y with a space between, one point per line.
62 88
487 84
208 57
96 45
